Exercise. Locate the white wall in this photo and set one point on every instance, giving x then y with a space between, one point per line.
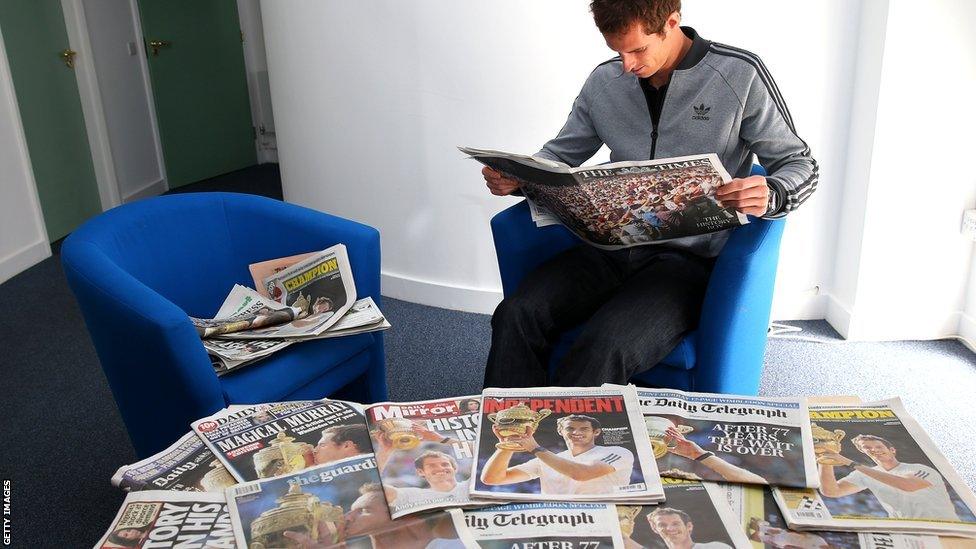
914 264
370 101
23 239
123 91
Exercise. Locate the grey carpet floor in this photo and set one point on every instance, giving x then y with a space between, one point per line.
63 437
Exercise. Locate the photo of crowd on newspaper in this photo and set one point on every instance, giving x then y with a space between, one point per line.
725 451
424 451
328 505
513 435
900 480
635 208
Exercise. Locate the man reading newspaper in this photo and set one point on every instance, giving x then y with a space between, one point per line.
583 468
638 303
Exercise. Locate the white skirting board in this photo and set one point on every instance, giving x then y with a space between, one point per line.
425 292
23 259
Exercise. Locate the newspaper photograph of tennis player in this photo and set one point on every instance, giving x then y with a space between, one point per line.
694 515
328 505
879 471
424 451
624 203
285 437
727 438
558 443
545 525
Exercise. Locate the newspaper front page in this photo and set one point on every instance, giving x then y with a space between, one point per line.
188 465
753 440
425 451
759 518
879 471
157 518
273 439
557 443
337 503
624 204
545 525
264 269
694 514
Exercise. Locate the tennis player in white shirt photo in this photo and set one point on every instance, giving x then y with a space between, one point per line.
583 468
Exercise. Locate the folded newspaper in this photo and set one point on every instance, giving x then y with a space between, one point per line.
759 518
879 471
694 515
557 443
337 503
188 465
265 269
424 451
745 439
624 203
242 311
550 525
274 439
157 518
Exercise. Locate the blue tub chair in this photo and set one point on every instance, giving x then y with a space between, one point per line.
139 269
725 353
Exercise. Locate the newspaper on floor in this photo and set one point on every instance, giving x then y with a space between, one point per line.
879 471
158 518
264 269
558 443
424 451
743 439
188 465
243 309
759 518
273 439
338 503
545 525
694 514
624 204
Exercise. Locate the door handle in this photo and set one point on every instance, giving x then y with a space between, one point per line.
68 56
156 44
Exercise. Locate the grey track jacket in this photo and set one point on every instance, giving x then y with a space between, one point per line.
720 99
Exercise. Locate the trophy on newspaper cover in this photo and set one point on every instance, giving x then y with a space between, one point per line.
514 423
282 456
217 478
300 513
826 442
627 515
399 432
657 431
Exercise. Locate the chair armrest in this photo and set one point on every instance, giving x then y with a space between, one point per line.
156 366
735 313
298 229
521 246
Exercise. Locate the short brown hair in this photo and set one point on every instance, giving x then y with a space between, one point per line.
668 511
561 422
857 441
617 16
419 462
356 433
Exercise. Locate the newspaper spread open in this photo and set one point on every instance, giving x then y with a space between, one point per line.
759 517
879 471
746 439
330 504
425 451
243 309
545 525
157 518
624 203
557 443
694 514
272 439
188 465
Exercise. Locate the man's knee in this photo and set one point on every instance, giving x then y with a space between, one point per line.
515 312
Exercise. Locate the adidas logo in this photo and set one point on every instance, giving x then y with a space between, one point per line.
701 112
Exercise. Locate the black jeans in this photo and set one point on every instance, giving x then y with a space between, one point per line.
637 303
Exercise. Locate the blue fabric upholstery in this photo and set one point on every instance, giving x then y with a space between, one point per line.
725 353
139 269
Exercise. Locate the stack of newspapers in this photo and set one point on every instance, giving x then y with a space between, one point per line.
302 297
554 468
